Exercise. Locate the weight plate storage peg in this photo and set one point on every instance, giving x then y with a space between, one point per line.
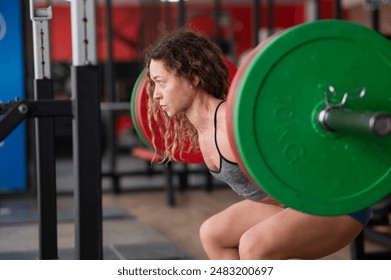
276 107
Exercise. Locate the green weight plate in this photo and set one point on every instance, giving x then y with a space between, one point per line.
277 133
133 110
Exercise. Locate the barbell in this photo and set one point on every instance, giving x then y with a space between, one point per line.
139 113
308 117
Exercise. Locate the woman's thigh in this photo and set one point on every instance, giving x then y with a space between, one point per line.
293 234
229 225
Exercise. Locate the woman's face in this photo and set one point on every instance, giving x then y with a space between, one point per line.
173 94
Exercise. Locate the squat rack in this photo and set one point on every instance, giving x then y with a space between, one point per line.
84 109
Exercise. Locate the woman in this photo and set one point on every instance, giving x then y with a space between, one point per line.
188 81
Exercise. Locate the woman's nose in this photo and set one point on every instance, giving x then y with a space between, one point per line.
156 93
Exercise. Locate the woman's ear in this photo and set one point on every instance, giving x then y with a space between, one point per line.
195 81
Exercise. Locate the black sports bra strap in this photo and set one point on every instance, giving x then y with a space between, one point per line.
215 125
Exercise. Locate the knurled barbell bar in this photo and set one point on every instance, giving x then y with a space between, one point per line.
308 109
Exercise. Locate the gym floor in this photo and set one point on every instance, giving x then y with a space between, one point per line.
138 223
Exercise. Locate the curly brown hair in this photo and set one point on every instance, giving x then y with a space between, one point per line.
187 54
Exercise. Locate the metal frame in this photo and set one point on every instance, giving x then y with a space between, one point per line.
83 18
357 249
40 18
181 13
111 96
46 175
85 109
87 163
256 22
44 136
337 9
86 132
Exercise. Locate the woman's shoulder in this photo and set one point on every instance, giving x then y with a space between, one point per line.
222 112
222 106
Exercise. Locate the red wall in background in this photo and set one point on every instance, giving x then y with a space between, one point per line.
128 21
60 34
285 16
125 20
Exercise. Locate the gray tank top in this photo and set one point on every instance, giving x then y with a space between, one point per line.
231 174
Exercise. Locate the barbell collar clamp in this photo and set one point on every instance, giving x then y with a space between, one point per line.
337 119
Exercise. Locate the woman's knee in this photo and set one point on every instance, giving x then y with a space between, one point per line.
256 247
208 232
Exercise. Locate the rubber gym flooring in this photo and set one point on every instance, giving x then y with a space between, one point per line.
124 236
137 224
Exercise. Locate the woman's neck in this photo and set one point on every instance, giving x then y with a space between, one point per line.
201 113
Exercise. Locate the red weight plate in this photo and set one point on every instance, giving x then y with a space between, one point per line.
141 113
133 109
231 100
141 109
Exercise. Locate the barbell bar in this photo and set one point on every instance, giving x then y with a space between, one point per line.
307 111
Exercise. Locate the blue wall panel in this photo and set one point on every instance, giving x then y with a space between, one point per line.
13 157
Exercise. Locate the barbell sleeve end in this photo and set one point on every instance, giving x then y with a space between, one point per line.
337 119
322 117
380 124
